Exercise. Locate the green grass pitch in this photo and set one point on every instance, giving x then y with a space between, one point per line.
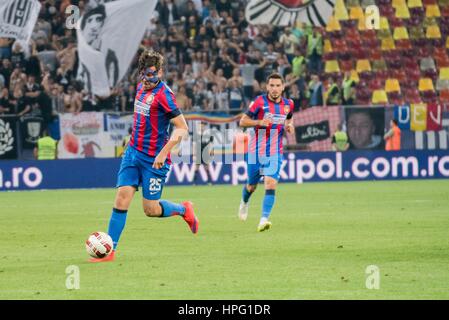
323 238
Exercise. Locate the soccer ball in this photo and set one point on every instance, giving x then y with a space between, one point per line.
99 245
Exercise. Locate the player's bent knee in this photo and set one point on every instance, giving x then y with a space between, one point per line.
152 209
251 187
270 184
123 199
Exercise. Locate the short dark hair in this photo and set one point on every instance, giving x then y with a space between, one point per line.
97 10
150 58
395 121
275 75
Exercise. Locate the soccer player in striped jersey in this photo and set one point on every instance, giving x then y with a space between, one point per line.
146 161
268 114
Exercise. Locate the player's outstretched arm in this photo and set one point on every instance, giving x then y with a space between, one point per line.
246 121
180 131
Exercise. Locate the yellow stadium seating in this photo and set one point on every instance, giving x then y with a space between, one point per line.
355 76
331 66
333 25
398 3
400 33
379 97
402 12
444 73
433 32
356 13
363 65
383 23
414 3
340 11
327 46
392 85
425 84
361 25
433 10
388 44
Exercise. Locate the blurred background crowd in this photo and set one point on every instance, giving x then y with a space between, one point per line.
215 61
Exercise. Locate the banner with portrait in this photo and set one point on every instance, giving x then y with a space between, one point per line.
17 18
365 127
109 35
8 138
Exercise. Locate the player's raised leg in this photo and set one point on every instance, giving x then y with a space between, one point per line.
268 203
165 209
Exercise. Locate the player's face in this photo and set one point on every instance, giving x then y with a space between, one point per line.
149 77
360 130
275 87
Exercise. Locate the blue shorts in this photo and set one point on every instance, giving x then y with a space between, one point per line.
266 166
137 169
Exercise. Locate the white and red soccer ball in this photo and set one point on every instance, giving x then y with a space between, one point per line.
99 245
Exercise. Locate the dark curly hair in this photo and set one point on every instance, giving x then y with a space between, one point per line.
150 58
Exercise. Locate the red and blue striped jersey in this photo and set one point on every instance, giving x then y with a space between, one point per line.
267 141
153 110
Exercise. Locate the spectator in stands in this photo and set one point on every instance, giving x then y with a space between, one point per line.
221 98
32 89
6 71
236 97
17 80
168 12
393 137
289 42
248 71
315 51
259 44
298 63
184 102
18 56
315 92
349 89
5 48
332 94
5 104
200 101
21 102
296 96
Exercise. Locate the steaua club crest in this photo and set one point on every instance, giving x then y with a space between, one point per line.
287 12
286 109
150 99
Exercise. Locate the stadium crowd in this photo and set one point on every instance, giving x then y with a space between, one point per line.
215 61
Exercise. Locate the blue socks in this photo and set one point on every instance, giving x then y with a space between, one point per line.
170 209
118 218
268 202
246 194
116 224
